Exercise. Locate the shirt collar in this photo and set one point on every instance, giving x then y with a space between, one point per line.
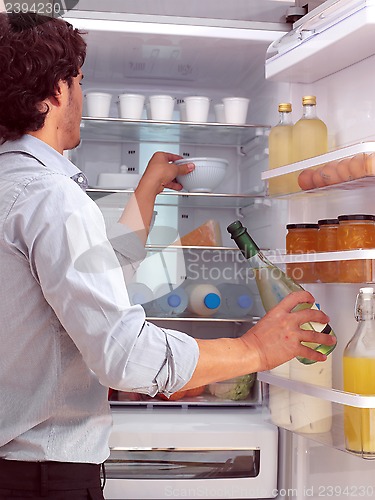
47 156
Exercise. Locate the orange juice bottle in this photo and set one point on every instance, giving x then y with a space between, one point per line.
359 377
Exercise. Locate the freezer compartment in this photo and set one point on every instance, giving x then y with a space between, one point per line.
346 168
195 453
331 417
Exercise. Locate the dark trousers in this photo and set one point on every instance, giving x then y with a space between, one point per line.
49 481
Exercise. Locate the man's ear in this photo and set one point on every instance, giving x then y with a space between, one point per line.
57 99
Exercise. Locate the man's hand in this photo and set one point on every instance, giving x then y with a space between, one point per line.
278 335
161 173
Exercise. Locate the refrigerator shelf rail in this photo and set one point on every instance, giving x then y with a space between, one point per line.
200 319
321 256
178 132
332 395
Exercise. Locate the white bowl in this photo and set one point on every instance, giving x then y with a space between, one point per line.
207 175
118 181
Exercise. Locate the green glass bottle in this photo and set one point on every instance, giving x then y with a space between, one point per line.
274 285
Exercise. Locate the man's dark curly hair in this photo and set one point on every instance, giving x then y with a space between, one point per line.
36 53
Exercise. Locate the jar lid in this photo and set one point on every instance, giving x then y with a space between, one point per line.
285 107
302 226
326 222
356 217
308 99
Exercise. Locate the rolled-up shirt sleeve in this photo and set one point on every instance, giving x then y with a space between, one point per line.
62 233
128 247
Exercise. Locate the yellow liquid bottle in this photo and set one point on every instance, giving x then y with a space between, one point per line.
310 136
359 377
280 151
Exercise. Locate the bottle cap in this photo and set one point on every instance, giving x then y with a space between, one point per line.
174 300
138 298
244 301
308 99
212 301
365 304
285 107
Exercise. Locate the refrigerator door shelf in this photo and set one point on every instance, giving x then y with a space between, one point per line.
347 168
302 399
332 39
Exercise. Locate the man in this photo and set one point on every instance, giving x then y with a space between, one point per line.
67 330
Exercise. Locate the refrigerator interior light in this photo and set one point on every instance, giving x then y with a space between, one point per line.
171 29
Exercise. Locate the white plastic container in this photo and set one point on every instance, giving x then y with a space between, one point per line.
204 299
182 107
235 110
219 112
131 106
98 104
161 107
236 300
279 398
169 301
139 293
308 414
108 180
197 108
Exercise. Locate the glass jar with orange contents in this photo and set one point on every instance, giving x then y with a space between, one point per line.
327 272
302 238
355 231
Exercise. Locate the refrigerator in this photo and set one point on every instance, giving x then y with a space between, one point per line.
209 447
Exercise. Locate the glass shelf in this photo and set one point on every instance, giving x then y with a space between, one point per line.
318 408
247 319
208 134
119 197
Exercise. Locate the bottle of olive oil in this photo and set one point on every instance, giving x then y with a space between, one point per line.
273 284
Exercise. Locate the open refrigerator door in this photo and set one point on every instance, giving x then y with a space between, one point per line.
328 54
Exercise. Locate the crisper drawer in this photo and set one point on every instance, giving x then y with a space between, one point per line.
191 453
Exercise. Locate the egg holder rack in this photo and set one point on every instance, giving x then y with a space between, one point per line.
343 168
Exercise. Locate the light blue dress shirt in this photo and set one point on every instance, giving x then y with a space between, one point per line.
67 330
